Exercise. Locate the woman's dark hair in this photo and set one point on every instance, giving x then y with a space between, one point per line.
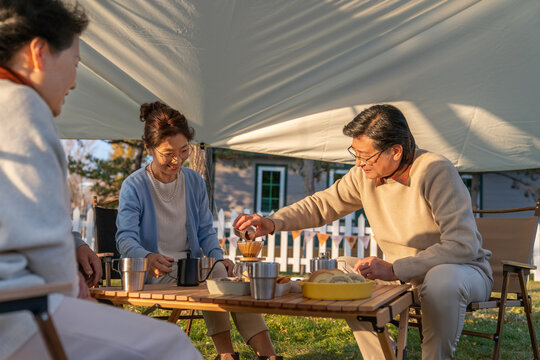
161 121
386 126
55 21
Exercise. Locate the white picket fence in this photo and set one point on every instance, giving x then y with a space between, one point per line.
304 244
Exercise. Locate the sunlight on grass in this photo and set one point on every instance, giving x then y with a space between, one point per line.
302 338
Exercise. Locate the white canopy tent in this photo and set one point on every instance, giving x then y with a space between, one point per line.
284 76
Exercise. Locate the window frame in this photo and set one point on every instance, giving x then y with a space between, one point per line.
480 199
331 174
259 168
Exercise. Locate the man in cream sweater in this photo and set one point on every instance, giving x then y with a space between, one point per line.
421 215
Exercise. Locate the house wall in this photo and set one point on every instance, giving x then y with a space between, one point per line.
234 188
497 193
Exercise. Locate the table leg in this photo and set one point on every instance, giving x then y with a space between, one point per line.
175 314
108 273
387 347
403 333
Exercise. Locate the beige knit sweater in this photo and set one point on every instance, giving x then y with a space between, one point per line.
418 226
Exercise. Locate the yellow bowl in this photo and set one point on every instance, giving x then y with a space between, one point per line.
326 291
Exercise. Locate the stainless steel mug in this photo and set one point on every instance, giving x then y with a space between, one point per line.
205 267
262 277
133 272
322 262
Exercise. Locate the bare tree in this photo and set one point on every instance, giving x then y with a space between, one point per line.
311 171
79 187
308 172
524 180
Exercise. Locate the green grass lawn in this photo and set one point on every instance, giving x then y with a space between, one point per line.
302 338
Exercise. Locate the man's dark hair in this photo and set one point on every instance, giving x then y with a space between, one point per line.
162 121
54 21
386 126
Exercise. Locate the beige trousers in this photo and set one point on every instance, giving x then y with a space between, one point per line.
444 295
248 325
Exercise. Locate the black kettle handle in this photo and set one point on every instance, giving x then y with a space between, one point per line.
212 268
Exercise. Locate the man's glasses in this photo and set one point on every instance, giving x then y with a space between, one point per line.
184 154
363 161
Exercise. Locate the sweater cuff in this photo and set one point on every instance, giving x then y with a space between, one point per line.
278 224
140 253
77 237
400 269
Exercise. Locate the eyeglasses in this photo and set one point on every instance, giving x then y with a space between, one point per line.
184 154
363 161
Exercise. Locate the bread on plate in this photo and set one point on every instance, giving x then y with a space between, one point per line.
335 276
324 276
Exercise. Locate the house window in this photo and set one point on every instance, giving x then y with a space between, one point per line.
270 191
335 174
468 179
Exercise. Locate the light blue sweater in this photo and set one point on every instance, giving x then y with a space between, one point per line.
137 234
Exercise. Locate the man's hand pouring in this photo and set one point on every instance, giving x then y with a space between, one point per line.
262 225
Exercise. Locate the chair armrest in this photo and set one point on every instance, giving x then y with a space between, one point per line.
102 255
33 291
515 264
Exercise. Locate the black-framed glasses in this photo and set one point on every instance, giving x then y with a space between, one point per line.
365 161
183 154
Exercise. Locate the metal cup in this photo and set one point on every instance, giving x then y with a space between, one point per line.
133 272
262 276
240 270
246 234
205 264
322 262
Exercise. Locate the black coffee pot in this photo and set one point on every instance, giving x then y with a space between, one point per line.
189 271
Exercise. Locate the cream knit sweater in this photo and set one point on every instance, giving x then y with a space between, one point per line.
418 226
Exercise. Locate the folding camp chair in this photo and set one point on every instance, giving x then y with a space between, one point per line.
104 234
511 242
105 237
35 300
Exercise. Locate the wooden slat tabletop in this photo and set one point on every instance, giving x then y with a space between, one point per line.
381 295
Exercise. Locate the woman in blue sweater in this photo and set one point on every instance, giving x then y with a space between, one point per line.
163 214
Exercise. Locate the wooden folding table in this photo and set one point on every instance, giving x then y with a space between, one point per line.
386 302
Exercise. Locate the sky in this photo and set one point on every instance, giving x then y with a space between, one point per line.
100 148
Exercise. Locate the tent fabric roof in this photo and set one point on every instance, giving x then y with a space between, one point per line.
284 76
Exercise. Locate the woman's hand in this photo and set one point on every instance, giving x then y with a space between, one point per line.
262 225
374 268
84 292
159 265
229 265
90 263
